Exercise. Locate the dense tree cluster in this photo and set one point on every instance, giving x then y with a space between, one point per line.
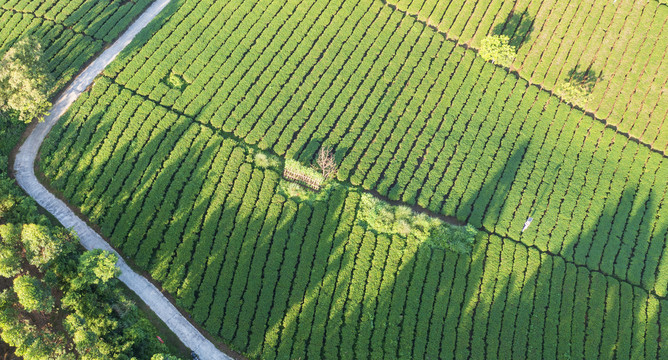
57 302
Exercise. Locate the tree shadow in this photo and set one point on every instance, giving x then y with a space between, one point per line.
584 77
518 27
142 38
483 206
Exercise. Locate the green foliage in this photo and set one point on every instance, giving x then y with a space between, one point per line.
175 81
33 294
164 357
294 191
10 248
410 115
31 342
390 219
459 239
266 161
548 46
24 80
10 262
382 217
43 245
96 267
574 93
496 48
101 322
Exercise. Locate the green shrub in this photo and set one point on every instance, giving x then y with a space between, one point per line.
176 82
265 161
456 238
573 93
497 50
382 217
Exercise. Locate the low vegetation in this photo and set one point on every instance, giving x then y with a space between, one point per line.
381 217
177 153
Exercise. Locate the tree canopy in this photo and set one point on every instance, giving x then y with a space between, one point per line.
33 295
24 81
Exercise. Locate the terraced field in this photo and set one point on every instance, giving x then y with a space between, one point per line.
618 45
163 153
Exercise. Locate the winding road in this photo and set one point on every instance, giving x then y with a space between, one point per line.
25 176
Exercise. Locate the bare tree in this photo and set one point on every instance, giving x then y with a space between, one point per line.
326 162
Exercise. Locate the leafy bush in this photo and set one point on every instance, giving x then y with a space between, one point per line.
265 161
573 93
176 81
497 50
402 220
456 238
389 219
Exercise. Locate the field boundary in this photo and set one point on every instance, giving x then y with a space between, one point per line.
24 166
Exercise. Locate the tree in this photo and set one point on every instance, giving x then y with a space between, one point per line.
10 262
10 258
93 282
326 162
32 294
24 81
43 246
497 49
96 267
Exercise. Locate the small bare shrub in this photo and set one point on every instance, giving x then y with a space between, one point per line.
326 162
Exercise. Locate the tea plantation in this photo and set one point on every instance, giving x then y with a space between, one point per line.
70 32
177 154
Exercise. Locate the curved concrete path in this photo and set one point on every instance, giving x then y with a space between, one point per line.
25 176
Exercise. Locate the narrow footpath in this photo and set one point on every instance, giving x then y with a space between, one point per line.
25 176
